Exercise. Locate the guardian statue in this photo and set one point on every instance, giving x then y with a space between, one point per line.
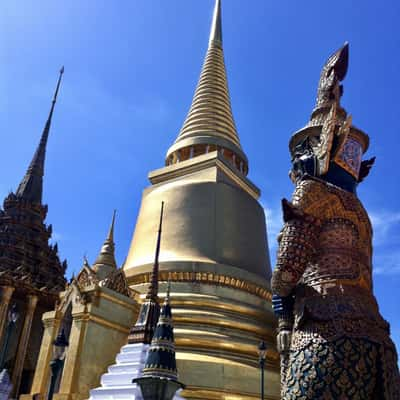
334 343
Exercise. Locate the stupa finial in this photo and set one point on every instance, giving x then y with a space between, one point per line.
216 27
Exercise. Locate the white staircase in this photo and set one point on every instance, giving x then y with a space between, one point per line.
117 384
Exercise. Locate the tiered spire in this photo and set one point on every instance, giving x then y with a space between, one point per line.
31 186
209 124
149 312
105 262
159 380
161 361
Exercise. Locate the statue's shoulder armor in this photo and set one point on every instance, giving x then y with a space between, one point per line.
309 195
328 202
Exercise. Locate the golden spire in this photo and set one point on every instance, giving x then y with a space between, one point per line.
105 261
209 124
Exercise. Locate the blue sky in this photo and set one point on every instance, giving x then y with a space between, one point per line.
130 71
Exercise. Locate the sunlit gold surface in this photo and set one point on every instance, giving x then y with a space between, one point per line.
213 249
210 218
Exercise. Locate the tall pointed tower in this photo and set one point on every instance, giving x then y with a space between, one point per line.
31 274
215 250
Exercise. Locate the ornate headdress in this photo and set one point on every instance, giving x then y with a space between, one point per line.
330 136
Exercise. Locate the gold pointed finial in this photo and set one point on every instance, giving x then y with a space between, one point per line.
330 89
105 261
110 236
216 27
85 261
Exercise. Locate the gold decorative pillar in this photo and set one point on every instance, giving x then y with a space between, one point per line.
23 344
68 384
41 379
5 297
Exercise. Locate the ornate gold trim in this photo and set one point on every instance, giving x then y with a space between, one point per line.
204 277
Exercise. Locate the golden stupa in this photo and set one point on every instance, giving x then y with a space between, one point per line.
214 247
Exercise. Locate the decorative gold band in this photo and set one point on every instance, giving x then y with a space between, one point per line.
205 277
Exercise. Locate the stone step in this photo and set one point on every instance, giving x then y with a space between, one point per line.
124 378
123 392
131 357
126 367
129 348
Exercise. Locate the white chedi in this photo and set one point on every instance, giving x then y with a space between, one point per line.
117 384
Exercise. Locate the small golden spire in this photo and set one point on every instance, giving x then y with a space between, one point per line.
110 236
85 261
105 261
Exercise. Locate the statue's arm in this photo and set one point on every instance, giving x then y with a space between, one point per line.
297 246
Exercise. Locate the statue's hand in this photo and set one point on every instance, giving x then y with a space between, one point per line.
282 306
283 341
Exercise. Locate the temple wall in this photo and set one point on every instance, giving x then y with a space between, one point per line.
99 329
